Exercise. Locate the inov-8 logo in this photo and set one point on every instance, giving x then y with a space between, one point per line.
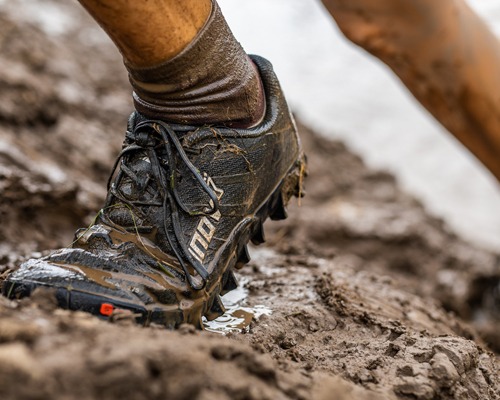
206 228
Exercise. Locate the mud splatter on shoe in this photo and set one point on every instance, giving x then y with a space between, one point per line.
182 204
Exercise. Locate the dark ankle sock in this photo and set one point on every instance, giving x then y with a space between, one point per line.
212 81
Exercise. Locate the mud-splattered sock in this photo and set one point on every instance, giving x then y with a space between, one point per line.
212 81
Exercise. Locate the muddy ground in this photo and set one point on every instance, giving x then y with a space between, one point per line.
371 297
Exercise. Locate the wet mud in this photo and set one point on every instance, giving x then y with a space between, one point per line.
359 294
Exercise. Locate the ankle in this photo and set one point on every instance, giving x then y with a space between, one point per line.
212 81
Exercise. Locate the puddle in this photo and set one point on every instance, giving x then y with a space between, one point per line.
238 314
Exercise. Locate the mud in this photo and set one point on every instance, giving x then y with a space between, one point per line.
367 296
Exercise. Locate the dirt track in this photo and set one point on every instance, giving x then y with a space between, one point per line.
371 297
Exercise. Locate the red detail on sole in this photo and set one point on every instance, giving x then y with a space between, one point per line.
107 309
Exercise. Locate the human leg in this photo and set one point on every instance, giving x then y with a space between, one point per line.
184 199
444 54
184 64
150 32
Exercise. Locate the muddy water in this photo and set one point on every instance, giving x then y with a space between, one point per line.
239 314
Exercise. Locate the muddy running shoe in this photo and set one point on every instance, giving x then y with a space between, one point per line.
183 202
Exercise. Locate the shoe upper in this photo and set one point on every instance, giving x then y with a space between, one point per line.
180 202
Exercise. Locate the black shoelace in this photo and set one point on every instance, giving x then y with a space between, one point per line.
166 179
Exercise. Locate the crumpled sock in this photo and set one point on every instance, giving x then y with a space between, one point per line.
212 81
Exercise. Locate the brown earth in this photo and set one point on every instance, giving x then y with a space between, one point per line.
372 298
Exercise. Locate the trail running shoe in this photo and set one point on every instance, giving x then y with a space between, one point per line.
182 204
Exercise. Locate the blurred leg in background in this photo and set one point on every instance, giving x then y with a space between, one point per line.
445 55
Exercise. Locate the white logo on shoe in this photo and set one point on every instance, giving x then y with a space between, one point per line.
206 229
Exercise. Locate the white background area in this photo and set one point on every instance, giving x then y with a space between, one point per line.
345 93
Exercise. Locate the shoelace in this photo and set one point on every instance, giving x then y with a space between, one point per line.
165 176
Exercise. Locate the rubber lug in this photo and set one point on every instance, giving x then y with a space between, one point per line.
279 211
230 283
216 309
258 234
243 257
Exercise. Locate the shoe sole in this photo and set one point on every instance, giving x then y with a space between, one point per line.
171 317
